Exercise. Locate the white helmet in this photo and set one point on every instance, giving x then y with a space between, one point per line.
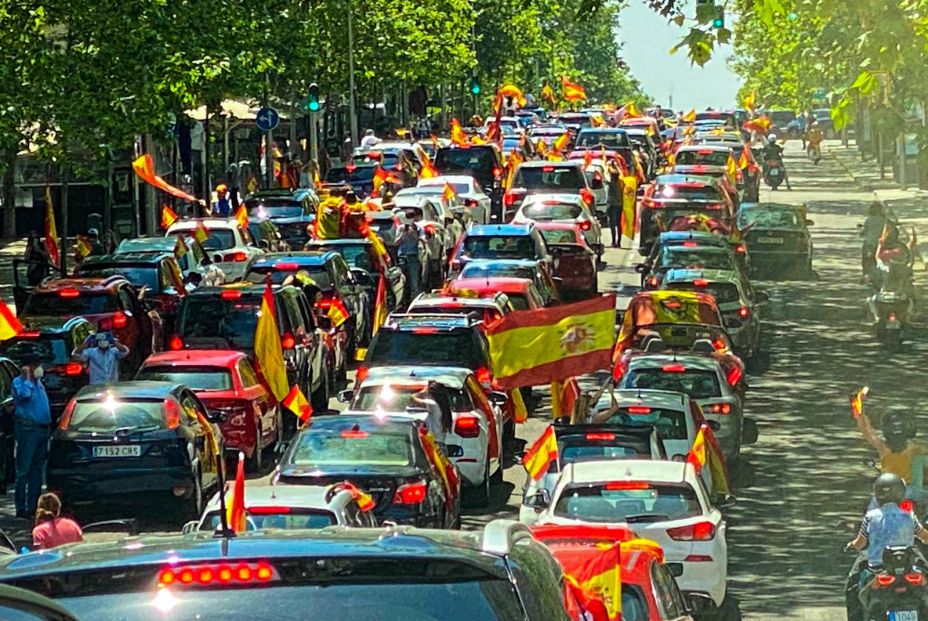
772 139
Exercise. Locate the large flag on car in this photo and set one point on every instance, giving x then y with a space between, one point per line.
534 347
629 216
380 305
541 455
9 324
597 568
51 231
269 353
235 507
458 137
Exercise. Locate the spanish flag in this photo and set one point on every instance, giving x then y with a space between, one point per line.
269 353
750 100
235 507
168 217
201 233
515 159
857 401
9 324
380 305
83 247
628 220
511 90
548 93
51 231
535 347
541 455
759 124
180 248
296 402
690 117
458 137
448 193
600 576
241 216
572 91
560 143
337 312
381 177
441 463
365 501
428 168
731 168
697 456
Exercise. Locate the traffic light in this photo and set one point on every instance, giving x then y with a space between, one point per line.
474 86
719 20
313 101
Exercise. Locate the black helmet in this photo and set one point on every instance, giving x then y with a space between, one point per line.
897 428
888 487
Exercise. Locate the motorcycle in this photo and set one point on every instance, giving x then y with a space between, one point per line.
898 591
774 174
892 317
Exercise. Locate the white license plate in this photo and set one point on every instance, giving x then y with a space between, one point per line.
118 450
774 171
770 240
903 615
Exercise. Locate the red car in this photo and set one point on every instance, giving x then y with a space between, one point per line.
224 380
522 292
575 261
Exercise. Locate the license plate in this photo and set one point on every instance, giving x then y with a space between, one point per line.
774 171
118 450
903 615
770 240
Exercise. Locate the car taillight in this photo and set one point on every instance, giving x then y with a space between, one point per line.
29 334
741 249
120 320
175 343
719 344
892 317
638 409
469 202
651 204
690 244
734 375
69 293
674 367
700 531
288 342
915 578
719 408
509 199
467 426
885 580
587 197
284 266
230 294
497 171
171 414
701 282
71 368
483 376
410 493
714 206
237 257
66 415
600 437
430 229
361 374
744 312
217 574
585 225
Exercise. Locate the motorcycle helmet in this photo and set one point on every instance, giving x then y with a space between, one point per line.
772 139
888 488
897 430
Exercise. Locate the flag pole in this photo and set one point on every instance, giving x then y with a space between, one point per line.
225 531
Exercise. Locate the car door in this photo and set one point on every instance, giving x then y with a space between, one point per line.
8 371
350 293
204 435
137 326
253 390
303 334
316 350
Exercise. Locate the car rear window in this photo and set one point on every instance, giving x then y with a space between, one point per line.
112 414
318 273
723 292
628 502
482 269
195 378
219 239
288 519
46 347
559 236
53 304
393 398
708 157
769 218
549 178
409 347
596 446
697 383
262 210
689 192
342 175
138 275
670 424
471 159
211 317
704 258
499 247
550 210
351 447
610 140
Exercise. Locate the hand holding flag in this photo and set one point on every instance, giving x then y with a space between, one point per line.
857 401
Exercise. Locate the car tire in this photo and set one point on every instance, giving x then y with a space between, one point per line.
192 507
319 398
497 477
256 460
482 492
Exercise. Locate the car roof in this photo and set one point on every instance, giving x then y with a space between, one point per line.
298 496
442 178
678 178
663 399
713 146
89 283
135 389
481 284
657 471
247 289
195 358
603 130
443 321
497 230
696 361
772 207
439 298
341 241
453 377
214 223
639 432
301 259
126 258
546 163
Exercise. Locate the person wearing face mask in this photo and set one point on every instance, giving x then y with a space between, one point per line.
102 353
32 421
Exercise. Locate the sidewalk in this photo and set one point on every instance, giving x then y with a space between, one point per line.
866 173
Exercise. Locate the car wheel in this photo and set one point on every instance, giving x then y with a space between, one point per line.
482 491
255 461
192 507
319 399
497 477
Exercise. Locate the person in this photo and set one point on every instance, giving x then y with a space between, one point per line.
51 530
102 353
886 525
96 248
407 249
435 421
213 276
614 204
898 453
369 140
871 232
774 152
814 137
31 422
37 259
223 207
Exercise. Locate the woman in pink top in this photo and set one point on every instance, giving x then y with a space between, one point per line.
50 529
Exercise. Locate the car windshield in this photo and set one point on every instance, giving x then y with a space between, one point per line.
549 178
583 448
626 501
485 269
670 424
288 518
702 157
219 239
46 347
211 317
499 247
346 446
113 414
409 347
54 304
697 383
138 275
723 292
475 161
258 273
689 192
559 236
552 210
704 258
610 140
769 218
275 210
196 378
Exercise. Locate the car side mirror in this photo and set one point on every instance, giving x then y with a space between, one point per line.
696 602
362 277
539 501
812 223
190 527
761 297
749 432
129 527
345 396
217 416
642 268
725 502
498 399
263 244
713 425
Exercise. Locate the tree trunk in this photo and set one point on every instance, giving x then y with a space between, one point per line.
8 193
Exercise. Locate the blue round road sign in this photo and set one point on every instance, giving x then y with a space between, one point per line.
267 119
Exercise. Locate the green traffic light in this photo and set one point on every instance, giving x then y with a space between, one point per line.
312 102
718 22
474 86
313 105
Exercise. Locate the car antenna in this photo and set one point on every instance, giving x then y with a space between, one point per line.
224 531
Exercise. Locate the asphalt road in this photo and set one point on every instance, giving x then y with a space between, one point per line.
801 488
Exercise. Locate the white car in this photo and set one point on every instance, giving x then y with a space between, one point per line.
700 377
562 208
600 193
230 245
438 228
475 440
506 121
292 507
476 204
665 501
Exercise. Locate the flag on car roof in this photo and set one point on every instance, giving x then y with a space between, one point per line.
51 231
382 176
448 193
180 247
690 117
296 402
168 217
82 247
235 507
428 168
9 324
541 455
458 137
599 574
241 216
200 232
560 143
572 90
269 353
337 312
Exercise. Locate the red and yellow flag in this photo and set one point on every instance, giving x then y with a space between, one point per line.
572 91
180 247
690 117
697 456
83 247
381 177
235 506
201 233
296 402
541 455
380 305
448 193
337 313
857 401
760 125
515 159
560 143
494 131
441 463
628 220
731 168
269 353
144 167
749 100
241 216
51 231
564 397
168 217
458 137
428 168
548 93
9 324
511 90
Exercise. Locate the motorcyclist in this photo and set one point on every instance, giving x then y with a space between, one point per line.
814 137
871 231
893 271
898 453
774 152
886 525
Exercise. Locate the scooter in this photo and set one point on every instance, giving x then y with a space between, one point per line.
898 591
774 174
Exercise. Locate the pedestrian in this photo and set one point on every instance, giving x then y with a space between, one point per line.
37 259
102 353
223 207
51 530
407 249
31 422
96 248
614 204
370 139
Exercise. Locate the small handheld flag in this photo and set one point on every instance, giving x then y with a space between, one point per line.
857 401
543 453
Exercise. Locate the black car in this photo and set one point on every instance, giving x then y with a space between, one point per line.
8 371
291 211
195 260
385 457
673 196
49 343
226 318
778 239
153 441
482 162
359 255
501 573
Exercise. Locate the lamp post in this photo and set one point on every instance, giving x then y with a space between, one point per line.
352 112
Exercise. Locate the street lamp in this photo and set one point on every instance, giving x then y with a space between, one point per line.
351 103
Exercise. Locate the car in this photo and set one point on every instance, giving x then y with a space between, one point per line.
520 144
225 381
544 177
664 501
291 507
147 441
474 441
700 239
778 239
528 269
467 575
739 303
359 254
359 178
385 456
437 233
387 224
568 208
547 134
157 277
112 304
500 241
402 162
642 138
710 160
338 283
511 122
268 236
522 292
226 318
577 263
703 379
780 123
488 309
692 256
588 442
575 121
291 211
726 119
597 170
825 122
482 162
49 343
9 370
673 196
230 245
476 202
194 261
609 138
